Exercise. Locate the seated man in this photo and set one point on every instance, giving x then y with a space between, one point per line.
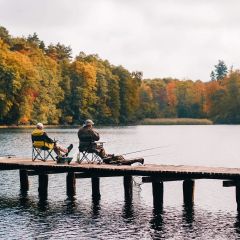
39 135
87 137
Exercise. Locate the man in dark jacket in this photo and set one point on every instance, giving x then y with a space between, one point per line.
87 137
87 141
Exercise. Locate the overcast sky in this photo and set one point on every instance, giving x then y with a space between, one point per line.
161 38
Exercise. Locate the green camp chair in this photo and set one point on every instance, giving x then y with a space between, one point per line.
42 151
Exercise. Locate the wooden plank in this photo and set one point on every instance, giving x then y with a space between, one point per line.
90 175
231 183
7 169
160 179
36 172
164 171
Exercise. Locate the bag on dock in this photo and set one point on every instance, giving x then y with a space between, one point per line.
120 160
63 159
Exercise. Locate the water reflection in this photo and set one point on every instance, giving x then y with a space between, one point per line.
132 217
24 199
43 205
128 211
96 206
72 217
237 223
71 205
188 214
157 220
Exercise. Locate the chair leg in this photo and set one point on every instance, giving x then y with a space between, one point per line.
33 159
48 154
81 157
89 157
84 157
37 154
43 155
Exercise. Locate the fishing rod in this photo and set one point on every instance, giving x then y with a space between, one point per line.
147 149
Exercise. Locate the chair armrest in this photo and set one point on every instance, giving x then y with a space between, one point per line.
100 143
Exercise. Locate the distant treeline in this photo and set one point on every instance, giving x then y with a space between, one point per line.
44 83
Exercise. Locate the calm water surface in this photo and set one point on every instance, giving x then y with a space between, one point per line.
213 216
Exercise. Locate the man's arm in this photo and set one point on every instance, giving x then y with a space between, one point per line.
47 138
95 135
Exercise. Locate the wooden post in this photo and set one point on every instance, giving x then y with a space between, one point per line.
71 184
157 190
24 184
238 197
188 192
96 188
43 186
128 186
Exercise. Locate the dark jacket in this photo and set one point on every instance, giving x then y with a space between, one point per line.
87 136
40 138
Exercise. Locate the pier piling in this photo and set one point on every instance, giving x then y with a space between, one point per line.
43 186
24 184
188 192
128 185
96 187
151 173
238 197
71 184
157 190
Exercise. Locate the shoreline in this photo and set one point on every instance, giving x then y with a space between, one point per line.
147 121
144 122
176 121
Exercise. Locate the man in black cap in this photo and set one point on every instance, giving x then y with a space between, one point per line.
87 137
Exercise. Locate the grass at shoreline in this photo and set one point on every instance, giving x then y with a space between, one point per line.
176 121
146 121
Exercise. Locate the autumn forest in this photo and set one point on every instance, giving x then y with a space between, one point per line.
45 83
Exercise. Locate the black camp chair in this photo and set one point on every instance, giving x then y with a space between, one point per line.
88 153
42 151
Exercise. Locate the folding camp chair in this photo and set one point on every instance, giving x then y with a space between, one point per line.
42 151
89 153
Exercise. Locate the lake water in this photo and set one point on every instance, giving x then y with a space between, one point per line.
213 216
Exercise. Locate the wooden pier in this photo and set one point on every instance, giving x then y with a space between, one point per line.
154 174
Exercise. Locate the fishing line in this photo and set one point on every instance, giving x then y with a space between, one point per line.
152 155
147 149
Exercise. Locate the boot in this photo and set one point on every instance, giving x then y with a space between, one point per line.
69 160
69 148
141 161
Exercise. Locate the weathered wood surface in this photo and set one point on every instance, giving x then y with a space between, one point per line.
159 171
